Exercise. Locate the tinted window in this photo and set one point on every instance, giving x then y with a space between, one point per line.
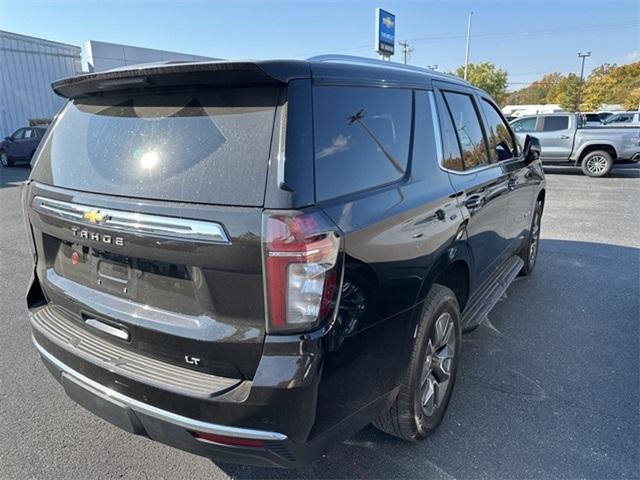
468 129
524 125
19 134
209 146
361 137
452 158
552 124
501 144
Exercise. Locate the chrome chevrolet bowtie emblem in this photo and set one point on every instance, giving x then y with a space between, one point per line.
94 216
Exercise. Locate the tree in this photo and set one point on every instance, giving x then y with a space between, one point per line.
565 92
613 84
536 92
488 77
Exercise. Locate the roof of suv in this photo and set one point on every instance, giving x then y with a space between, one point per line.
251 72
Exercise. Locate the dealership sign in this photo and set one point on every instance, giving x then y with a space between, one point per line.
385 39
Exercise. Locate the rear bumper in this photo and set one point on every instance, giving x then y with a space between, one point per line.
170 428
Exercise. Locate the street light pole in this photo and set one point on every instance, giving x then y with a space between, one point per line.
466 53
583 56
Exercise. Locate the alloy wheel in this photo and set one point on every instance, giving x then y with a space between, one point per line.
438 362
597 164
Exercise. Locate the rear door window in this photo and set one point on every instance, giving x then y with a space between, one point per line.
361 137
553 124
205 146
468 128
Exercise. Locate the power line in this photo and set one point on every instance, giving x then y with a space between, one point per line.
549 31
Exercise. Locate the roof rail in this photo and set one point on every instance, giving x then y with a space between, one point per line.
352 59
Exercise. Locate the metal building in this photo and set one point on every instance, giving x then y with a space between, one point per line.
28 65
103 56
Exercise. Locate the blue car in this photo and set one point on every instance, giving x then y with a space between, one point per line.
20 147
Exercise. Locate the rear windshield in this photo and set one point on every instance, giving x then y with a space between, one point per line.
208 146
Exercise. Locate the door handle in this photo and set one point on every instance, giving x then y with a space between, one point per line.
474 202
565 137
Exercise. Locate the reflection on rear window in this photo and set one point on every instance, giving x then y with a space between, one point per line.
201 146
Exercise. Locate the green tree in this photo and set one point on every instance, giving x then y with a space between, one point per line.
536 92
565 92
488 77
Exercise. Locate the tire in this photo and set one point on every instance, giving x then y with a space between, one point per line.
4 160
597 164
529 252
408 418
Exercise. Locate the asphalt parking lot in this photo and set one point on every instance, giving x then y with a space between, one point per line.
549 385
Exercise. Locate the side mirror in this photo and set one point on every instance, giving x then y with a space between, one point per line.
531 150
8 139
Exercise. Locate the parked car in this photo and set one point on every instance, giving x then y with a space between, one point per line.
564 142
21 145
623 119
593 119
604 115
259 263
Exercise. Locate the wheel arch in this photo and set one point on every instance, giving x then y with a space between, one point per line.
592 147
452 271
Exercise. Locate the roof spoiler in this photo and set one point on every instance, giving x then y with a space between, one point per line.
177 74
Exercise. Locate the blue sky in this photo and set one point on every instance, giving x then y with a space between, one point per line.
527 38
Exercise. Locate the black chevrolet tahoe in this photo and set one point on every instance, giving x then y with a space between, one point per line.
253 260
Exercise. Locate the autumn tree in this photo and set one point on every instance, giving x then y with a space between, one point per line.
488 77
613 84
565 92
536 92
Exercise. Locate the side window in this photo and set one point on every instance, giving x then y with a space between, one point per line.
553 124
361 137
19 134
28 133
467 125
524 125
501 144
452 157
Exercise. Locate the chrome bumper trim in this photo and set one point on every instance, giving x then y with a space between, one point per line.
133 222
158 413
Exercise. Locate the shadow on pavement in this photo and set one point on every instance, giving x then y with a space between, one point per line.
548 385
618 171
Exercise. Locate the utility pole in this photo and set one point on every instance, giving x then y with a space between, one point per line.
582 56
407 50
466 54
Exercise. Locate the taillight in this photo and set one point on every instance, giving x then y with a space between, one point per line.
303 269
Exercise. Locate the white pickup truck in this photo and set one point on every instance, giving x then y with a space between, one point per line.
565 141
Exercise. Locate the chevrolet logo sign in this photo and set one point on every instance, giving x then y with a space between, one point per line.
388 22
94 216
